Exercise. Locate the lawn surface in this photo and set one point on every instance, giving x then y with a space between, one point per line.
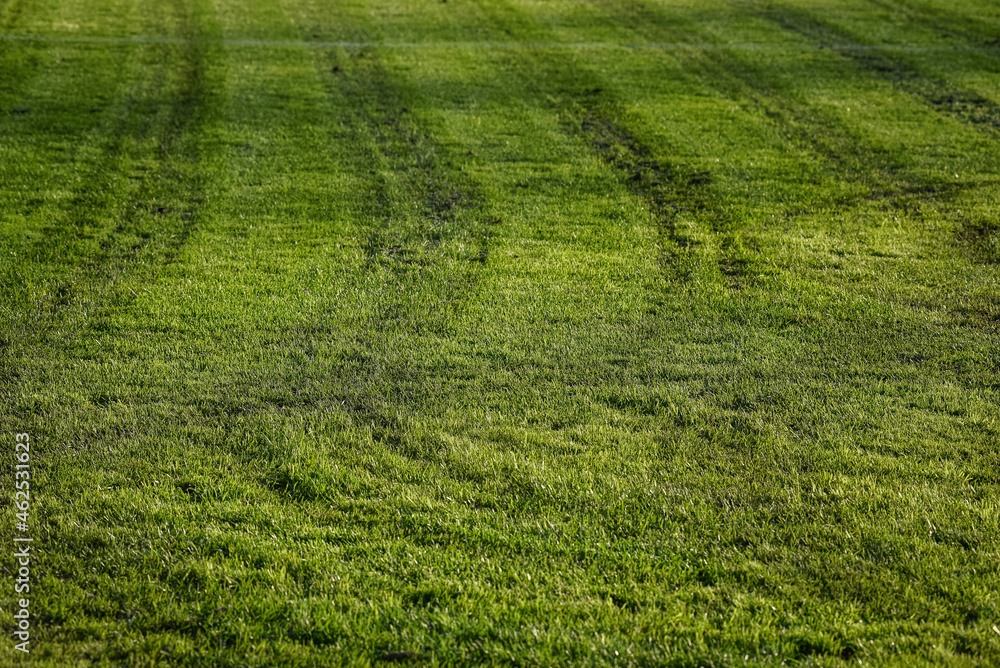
510 332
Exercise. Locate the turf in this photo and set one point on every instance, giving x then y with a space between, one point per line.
618 332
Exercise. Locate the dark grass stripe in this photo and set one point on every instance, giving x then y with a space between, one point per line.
10 12
739 79
883 175
424 233
152 146
668 186
143 143
420 211
969 107
976 32
489 44
965 105
448 206
436 204
422 205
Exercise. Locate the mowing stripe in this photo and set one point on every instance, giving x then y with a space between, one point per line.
966 105
146 39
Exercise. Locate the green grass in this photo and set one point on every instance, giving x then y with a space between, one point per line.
505 332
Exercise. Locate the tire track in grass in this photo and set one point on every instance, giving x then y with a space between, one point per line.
670 189
41 124
351 70
425 240
678 195
850 159
425 206
738 79
673 189
965 105
167 203
890 182
983 34
107 238
136 138
422 217
425 211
